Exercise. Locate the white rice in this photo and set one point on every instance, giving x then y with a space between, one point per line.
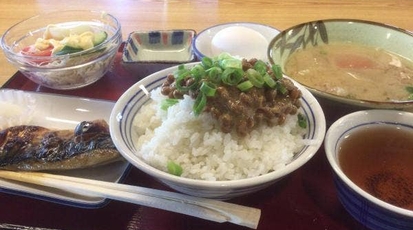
203 151
16 108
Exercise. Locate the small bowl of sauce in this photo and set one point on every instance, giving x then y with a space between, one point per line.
371 154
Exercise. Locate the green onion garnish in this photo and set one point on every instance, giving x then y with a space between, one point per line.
281 88
200 103
302 121
165 104
203 79
198 71
174 168
208 89
269 81
182 78
231 63
244 86
255 78
207 62
261 67
232 76
214 74
276 69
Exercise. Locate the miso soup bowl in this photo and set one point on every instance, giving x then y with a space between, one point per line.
367 33
365 208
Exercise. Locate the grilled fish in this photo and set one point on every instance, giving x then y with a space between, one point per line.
35 148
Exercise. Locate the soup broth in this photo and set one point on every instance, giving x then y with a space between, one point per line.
352 71
380 161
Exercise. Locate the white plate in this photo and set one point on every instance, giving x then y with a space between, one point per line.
63 112
203 41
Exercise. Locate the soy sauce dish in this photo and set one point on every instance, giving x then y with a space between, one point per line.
370 152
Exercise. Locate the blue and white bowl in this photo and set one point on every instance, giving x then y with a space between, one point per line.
121 125
367 209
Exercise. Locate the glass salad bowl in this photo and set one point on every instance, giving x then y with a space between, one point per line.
63 49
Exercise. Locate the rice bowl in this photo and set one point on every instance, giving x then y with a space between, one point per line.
225 186
206 153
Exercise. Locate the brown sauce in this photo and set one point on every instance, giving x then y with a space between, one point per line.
380 161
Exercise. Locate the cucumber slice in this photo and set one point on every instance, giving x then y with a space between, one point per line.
68 50
99 37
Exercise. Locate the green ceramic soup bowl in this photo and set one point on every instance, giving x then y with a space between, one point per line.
315 34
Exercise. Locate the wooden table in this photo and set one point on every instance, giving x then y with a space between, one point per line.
304 200
198 15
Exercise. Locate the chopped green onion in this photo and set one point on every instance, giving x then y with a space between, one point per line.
232 76
207 62
168 102
181 81
276 69
214 74
200 103
181 73
224 55
281 88
261 67
229 62
208 89
174 168
269 81
198 71
244 86
178 83
302 122
204 78
255 78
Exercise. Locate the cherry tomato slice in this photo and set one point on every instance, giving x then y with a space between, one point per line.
32 51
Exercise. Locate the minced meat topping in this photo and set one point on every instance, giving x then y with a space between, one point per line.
238 104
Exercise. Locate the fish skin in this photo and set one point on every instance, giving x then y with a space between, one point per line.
35 148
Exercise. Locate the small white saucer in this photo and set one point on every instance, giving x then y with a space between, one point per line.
203 41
